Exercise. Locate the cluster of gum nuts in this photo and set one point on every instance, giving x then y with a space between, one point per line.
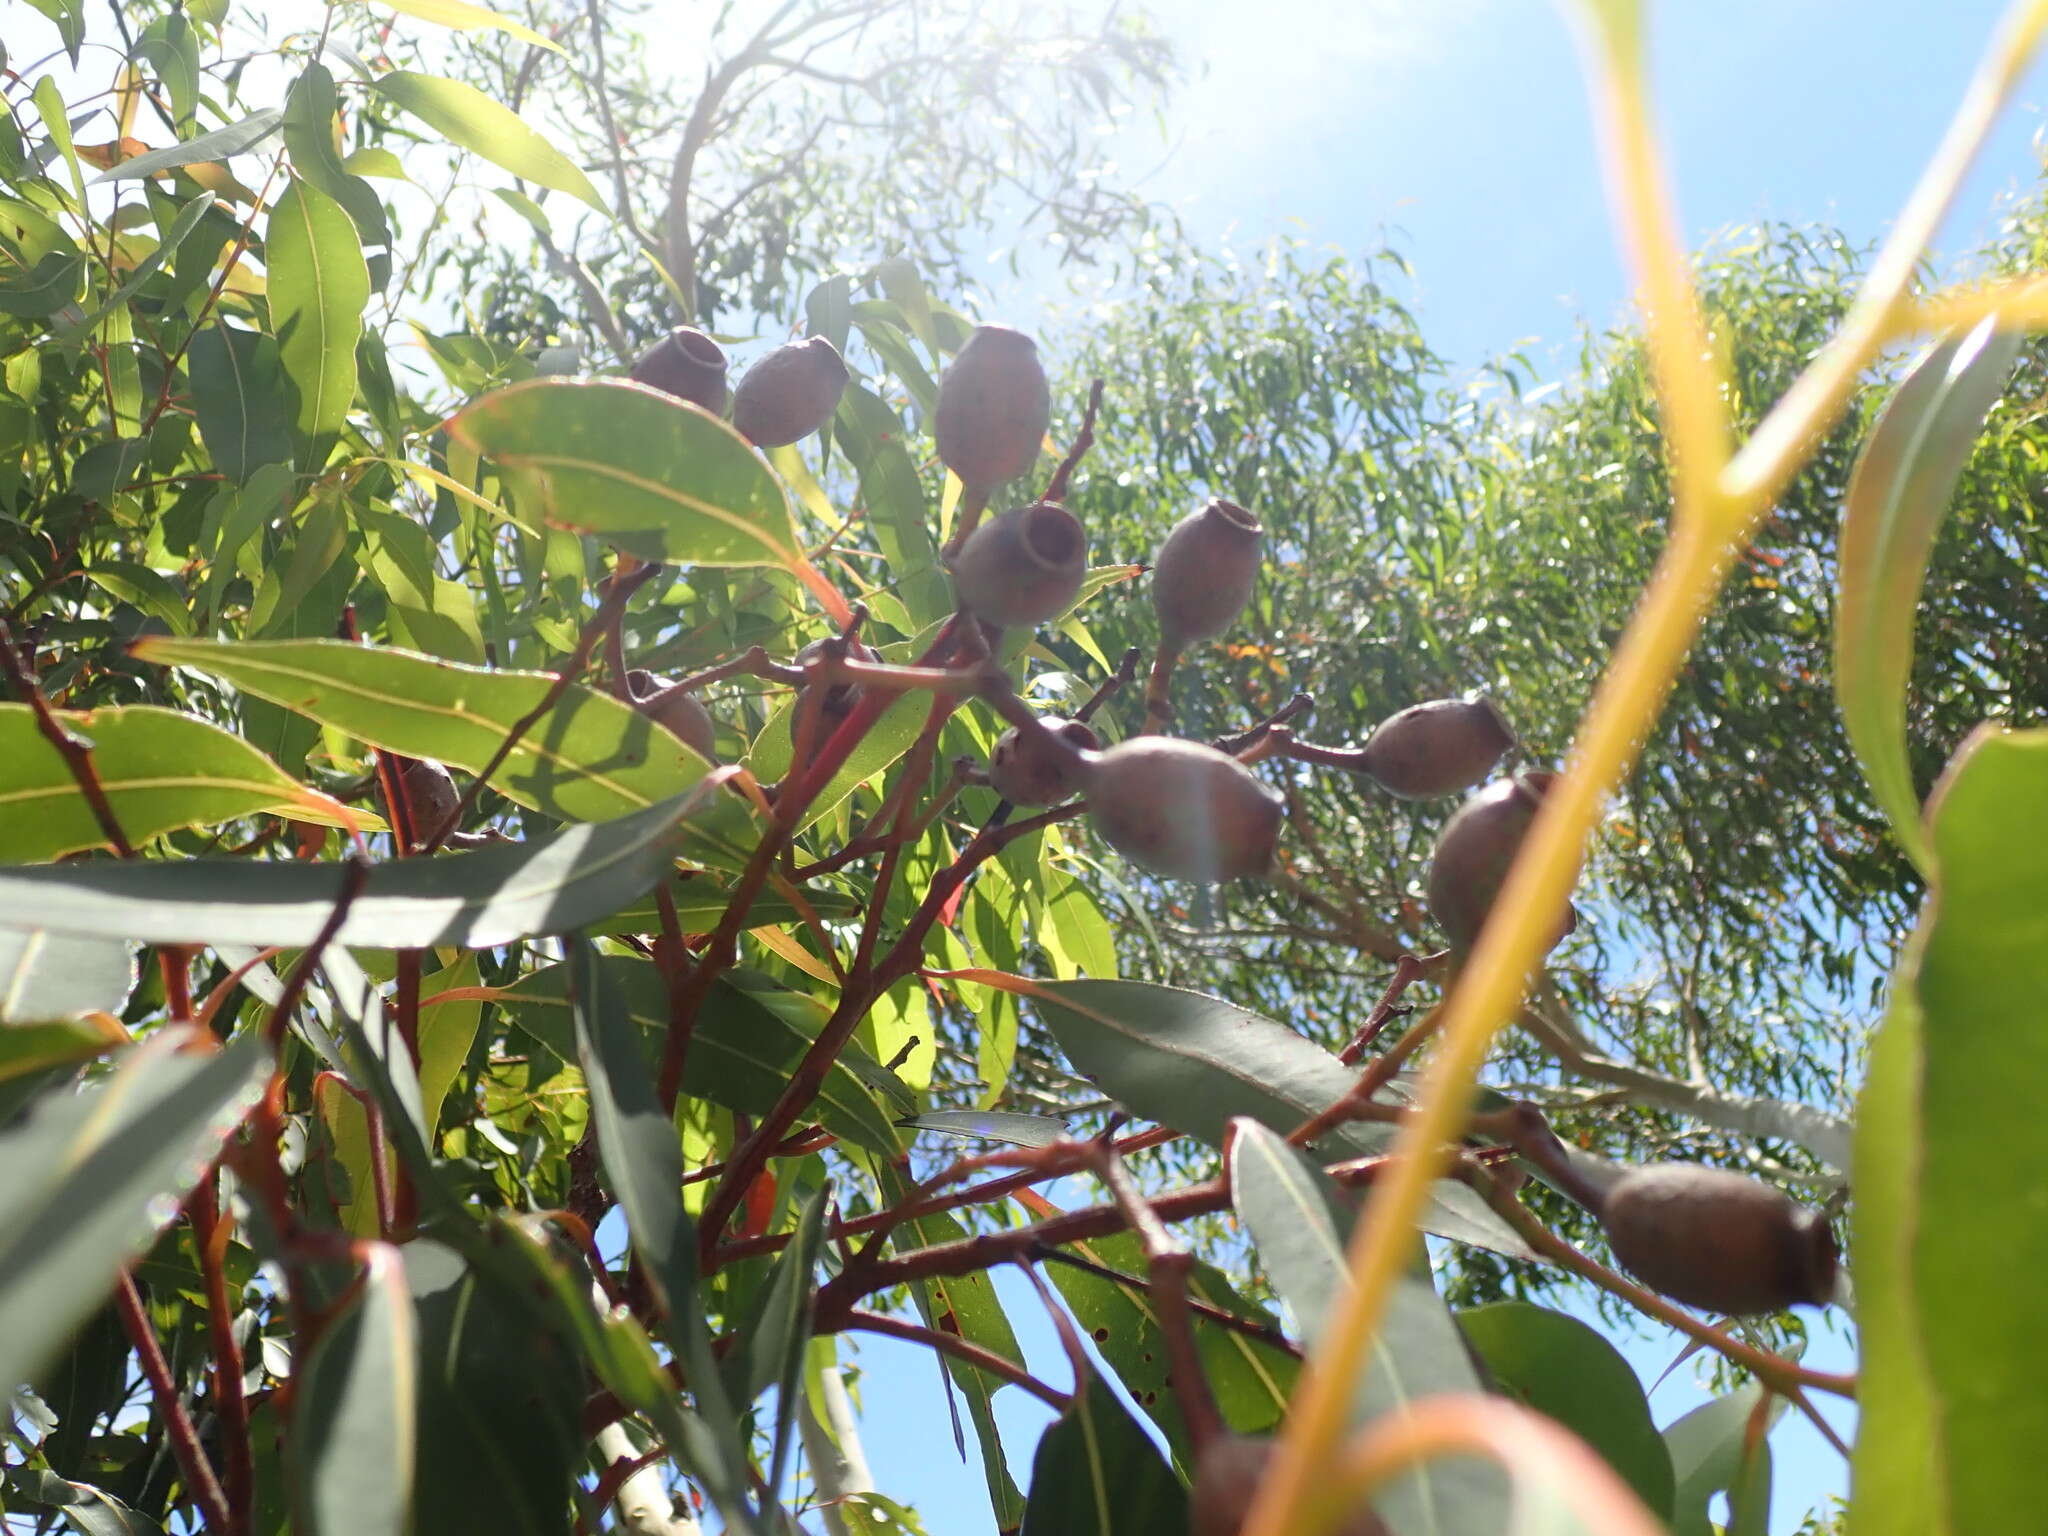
1188 811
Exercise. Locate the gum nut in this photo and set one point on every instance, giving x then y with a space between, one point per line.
1202 576
790 393
679 710
1183 810
431 795
1025 771
1718 1241
1443 747
1022 568
1473 853
839 697
993 408
688 364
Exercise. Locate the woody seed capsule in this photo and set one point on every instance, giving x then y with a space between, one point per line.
688 364
993 407
790 393
1202 576
1718 1241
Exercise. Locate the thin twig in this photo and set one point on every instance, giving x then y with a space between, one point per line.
618 591
76 753
1056 488
198 1472
959 1348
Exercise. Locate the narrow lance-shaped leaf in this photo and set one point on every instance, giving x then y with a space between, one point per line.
473 121
239 395
1097 1473
319 284
643 1163
54 976
636 466
588 759
552 884
352 1436
1710 1453
1947 1250
94 1174
1898 496
221 144
1300 1224
461 16
1194 1062
161 770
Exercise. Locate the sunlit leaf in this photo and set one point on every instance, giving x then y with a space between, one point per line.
318 287
221 144
472 121
460 16
160 770
1898 496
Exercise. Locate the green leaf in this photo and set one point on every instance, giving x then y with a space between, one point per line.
187 220
500 1436
1559 1366
354 1404
238 389
1709 1455
874 1514
591 757
1196 1062
1250 1378
1946 1252
771 1351
221 144
1898 495
473 121
1301 1222
92 1175
1006 1126
1097 1473
160 769
45 976
636 466
309 135
41 270
472 900
30 1049
87 1510
151 591
318 285
460 16
643 1163
746 1043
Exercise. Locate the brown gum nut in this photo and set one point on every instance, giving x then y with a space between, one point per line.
1183 810
1022 568
1443 747
790 393
430 794
688 364
676 709
993 408
1227 1475
1026 771
1473 853
839 697
1718 1241
1202 576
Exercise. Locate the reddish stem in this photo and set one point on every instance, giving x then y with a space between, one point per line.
200 1481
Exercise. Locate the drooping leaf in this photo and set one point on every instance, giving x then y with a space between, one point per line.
319 285
1945 1256
472 121
1301 1222
1097 1473
643 1164
475 900
187 220
771 1351
94 1174
45 976
635 465
354 1409
1710 1454
87 1510
500 1435
1250 1377
588 759
1898 496
1002 1125
30 1049
160 769
744 1047
460 16
1195 1062
221 144
1557 1365
239 392
308 128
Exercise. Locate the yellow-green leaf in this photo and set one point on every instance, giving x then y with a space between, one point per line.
473 121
